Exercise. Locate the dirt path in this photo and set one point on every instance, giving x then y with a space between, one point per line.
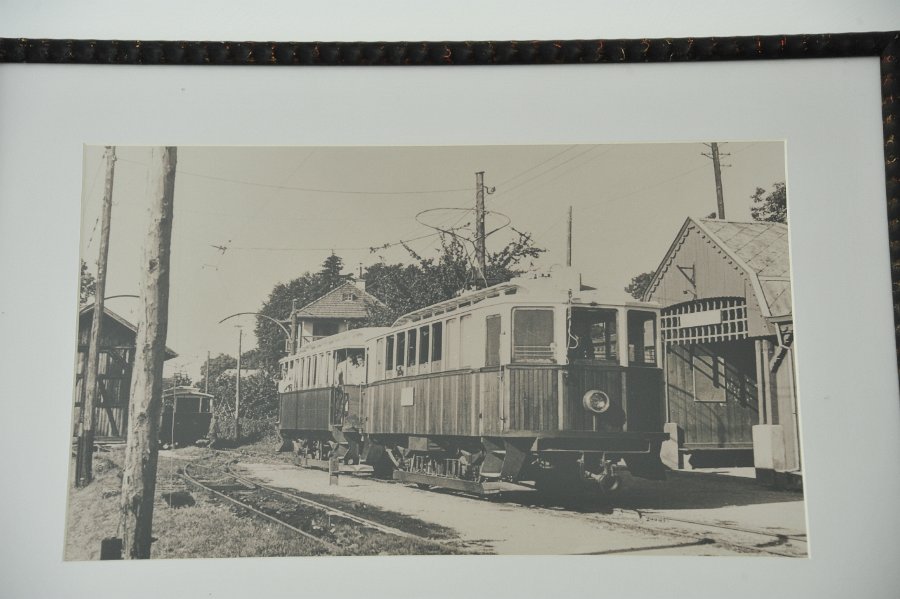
501 527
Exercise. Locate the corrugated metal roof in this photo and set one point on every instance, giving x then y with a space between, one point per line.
345 301
762 246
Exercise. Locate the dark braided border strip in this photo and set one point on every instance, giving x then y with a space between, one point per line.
442 53
544 52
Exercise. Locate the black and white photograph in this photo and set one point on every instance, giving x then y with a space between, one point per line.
436 350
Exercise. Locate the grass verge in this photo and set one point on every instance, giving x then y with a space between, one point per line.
206 529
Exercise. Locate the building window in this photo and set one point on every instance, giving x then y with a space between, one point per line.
592 335
348 296
324 329
533 335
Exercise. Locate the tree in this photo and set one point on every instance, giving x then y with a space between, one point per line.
259 406
772 207
330 276
407 287
88 285
250 360
639 284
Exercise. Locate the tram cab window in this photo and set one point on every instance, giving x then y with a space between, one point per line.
533 335
592 335
188 405
641 338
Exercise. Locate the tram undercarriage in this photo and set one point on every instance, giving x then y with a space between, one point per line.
556 465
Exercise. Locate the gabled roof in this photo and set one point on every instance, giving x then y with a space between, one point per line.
759 248
89 309
333 304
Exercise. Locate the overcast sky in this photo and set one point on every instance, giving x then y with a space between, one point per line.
279 212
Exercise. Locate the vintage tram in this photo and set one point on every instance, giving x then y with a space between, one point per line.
185 417
537 379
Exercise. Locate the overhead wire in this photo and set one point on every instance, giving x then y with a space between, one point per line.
313 189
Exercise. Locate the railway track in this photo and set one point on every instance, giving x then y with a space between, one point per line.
686 532
331 530
739 539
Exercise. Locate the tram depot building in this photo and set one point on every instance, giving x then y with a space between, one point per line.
727 329
116 361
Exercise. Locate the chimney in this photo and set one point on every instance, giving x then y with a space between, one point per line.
360 284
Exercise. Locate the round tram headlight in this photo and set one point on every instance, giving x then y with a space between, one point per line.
595 401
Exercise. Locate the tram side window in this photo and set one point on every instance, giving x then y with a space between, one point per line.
641 338
465 340
593 335
492 340
379 357
424 344
533 335
401 349
437 340
411 347
452 361
389 353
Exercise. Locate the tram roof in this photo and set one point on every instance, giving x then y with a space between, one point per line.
557 287
352 339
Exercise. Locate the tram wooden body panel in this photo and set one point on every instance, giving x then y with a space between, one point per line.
461 403
493 402
307 409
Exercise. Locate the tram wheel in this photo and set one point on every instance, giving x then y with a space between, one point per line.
424 486
562 479
383 468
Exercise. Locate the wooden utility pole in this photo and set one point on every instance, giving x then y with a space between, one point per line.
569 241
717 171
206 378
237 392
141 452
479 227
84 454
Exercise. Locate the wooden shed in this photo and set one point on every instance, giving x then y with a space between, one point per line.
727 328
117 346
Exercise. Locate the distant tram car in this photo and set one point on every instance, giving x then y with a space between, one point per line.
535 379
185 417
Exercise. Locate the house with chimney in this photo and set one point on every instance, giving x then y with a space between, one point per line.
332 313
